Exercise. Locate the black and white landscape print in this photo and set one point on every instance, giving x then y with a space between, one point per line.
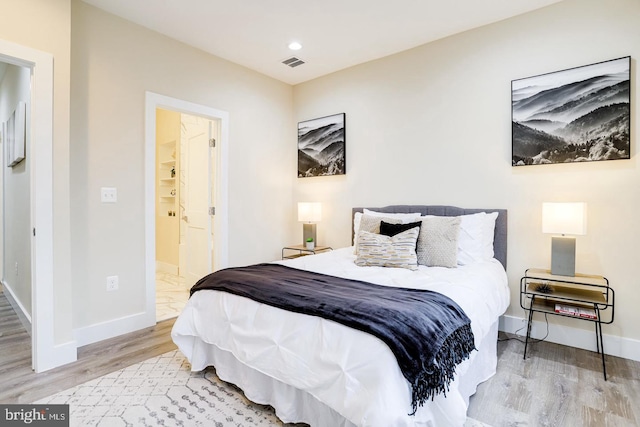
576 115
321 146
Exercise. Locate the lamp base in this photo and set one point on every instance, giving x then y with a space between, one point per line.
563 256
308 231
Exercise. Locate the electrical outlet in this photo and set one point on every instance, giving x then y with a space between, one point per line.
16 268
112 283
108 195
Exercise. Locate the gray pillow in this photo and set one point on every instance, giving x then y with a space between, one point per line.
371 224
438 241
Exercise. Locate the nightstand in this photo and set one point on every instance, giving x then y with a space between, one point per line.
583 297
301 250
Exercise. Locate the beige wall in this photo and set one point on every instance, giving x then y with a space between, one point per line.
45 25
432 125
107 146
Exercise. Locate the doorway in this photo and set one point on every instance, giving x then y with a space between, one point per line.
191 221
46 354
185 183
15 179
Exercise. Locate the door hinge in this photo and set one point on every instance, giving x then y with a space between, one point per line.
34 231
212 143
212 211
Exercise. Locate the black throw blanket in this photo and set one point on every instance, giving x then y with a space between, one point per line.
428 333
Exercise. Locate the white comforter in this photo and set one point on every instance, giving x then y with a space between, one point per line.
350 371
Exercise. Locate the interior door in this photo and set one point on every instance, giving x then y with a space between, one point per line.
197 187
214 133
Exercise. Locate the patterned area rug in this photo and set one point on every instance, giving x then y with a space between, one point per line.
163 391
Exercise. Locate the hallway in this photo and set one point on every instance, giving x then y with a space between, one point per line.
15 342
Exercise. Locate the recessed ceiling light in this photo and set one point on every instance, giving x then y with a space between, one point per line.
295 46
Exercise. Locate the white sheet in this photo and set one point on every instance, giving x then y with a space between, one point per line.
349 371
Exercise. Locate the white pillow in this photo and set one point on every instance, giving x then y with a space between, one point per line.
403 217
475 241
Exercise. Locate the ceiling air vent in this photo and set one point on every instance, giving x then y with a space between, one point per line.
293 62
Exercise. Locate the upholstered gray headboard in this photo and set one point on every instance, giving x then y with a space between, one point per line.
499 238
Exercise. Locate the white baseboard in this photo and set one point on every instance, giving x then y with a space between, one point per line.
113 328
61 354
574 337
165 267
23 314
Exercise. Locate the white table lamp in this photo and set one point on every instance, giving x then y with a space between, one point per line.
563 219
309 213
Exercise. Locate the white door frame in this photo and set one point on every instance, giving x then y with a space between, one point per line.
221 239
45 354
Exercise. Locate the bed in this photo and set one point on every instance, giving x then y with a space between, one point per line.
319 372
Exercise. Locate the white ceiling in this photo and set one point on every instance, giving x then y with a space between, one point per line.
335 34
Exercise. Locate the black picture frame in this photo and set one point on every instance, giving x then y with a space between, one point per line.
580 114
322 146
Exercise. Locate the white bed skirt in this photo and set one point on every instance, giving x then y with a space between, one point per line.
296 406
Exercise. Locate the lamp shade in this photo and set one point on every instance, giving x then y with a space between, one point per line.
564 218
309 211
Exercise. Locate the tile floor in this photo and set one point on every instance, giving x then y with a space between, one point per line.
171 295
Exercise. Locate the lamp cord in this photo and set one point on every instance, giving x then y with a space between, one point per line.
531 340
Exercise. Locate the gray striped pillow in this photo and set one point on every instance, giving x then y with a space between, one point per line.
376 250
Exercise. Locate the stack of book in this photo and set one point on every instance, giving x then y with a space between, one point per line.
573 310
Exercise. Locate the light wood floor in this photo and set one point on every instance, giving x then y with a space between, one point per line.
19 384
556 386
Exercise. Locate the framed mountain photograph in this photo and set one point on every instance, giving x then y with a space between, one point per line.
577 115
321 146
